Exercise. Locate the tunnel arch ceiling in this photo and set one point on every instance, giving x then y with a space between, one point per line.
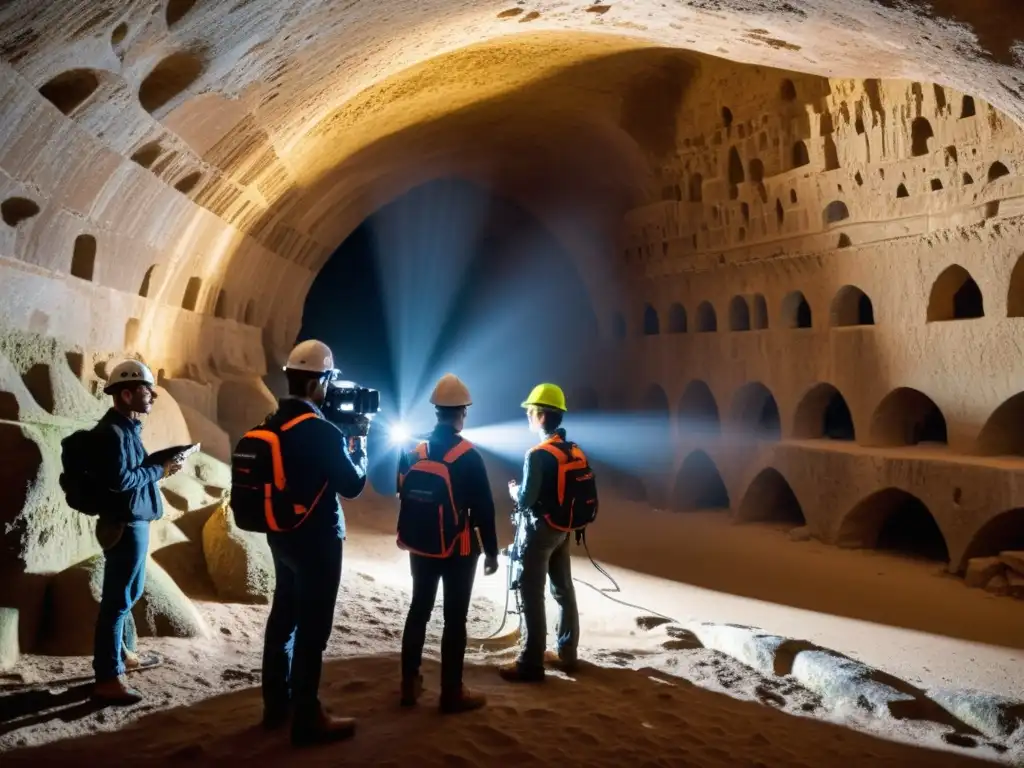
248 95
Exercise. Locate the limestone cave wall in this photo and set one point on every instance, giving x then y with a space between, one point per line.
828 307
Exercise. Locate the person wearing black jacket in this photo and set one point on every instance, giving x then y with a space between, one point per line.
321 465
471 491
122 465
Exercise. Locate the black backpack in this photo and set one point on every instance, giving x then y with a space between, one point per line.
82 489
429 522
261 500
576 505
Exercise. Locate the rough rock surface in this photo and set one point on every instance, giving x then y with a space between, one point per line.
10 648
239 562
980 571
164 609
1013 560
213 439
998 585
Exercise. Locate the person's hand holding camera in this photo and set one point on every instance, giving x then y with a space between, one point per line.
490 565
173 466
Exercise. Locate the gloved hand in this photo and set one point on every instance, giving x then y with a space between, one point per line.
490 565
579 537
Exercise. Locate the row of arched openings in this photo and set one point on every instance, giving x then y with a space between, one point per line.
850 307
190 299
890 519
955 295
905 417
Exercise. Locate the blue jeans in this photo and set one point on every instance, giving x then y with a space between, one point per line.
308 572
545 554
124 577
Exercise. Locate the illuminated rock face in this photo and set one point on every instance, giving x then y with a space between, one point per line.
174 174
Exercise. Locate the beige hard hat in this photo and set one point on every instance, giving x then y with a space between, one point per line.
450 392
311 355
129 372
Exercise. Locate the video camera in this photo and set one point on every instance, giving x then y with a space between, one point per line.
350 407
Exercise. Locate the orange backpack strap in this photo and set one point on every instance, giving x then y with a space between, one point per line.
457 452
298 420
272 438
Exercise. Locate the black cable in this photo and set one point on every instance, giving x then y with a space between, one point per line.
616 587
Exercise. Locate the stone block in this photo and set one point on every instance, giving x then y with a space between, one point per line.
239 562
980 571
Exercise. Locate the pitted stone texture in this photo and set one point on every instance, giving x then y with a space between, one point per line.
239 562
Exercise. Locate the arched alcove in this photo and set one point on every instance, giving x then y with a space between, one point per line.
902 192
191 297
699 485
770 499
800 155
1003 533
131 333
796 311
921 134
69 90
698 411
908 417
757 170
835 212
220 309
655 401
787 91
677 318
823 413
851 306
894 520
736 173
83 257
1003 433
967 107
696 188
997 171
780 214
707 320
955 296
739 314
652 327
755 412
147 154
170 78
15 210
1015 293
187 183
760 317
147 281
176 10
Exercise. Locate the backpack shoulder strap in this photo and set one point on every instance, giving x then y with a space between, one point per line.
457 451
297 420
552 446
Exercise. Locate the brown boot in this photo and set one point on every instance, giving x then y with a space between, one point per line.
553 660
115 692
464 700
412 689
322 729
516 673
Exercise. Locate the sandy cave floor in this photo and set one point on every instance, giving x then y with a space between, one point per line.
645 695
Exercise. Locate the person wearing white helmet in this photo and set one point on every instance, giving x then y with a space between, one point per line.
320 465
123 466
467 487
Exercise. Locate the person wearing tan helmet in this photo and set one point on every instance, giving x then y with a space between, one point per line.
444 472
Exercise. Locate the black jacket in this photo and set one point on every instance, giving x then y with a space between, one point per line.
122 465
315 455
470 486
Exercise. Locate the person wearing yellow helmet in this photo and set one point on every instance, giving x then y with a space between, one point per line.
557 497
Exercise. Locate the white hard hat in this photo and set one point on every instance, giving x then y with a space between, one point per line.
129 372
450 392
311 355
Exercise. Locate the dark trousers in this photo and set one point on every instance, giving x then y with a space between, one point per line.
124 577
457 574
545 554
308 573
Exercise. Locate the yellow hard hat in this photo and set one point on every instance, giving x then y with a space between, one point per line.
548 396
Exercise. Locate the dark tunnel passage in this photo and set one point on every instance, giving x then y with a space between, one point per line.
449 278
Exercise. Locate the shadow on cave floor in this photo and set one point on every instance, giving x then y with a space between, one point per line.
707 550
639 716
